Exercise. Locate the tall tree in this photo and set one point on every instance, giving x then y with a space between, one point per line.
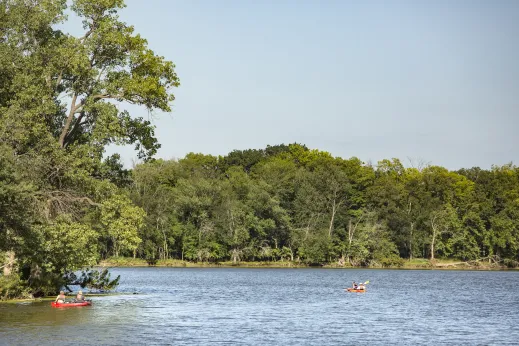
62 102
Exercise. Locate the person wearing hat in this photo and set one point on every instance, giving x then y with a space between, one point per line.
61 297
80 297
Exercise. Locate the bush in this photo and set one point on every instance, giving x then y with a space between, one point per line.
510 263
12 287
392 261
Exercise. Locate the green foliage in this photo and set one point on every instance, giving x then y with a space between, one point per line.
122 220
98 280
393 261
111 169
315 249
16 202
67 246
62 102
299 204
12 286
124 262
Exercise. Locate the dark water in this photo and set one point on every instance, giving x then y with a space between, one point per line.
280 307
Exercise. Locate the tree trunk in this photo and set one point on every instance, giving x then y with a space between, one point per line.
166 251
10 262
411 242
432 244
334 210
351 230
65 129
410 204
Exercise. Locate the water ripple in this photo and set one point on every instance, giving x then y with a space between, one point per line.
207 306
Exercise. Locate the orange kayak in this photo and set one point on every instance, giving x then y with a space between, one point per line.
355 290
69 305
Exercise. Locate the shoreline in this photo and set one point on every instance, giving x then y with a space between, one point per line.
49 299
420 264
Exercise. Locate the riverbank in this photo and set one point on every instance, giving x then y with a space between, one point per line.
418 263
137 262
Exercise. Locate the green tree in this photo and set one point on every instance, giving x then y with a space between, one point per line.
62 102
122 221
16 211
443 222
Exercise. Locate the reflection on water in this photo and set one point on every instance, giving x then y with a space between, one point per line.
280 306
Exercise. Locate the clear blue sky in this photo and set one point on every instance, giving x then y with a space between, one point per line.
430 80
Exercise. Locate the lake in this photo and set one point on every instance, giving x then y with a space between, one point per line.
257 306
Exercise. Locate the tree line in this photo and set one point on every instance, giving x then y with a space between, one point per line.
64 206
287 202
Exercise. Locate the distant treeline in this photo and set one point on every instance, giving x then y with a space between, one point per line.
287 202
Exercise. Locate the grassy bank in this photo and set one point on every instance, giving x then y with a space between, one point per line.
416 263
137 262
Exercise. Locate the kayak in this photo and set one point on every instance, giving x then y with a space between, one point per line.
67 305
355 290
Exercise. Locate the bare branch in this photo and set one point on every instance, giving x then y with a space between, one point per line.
86 35
107 96
64 202
100 75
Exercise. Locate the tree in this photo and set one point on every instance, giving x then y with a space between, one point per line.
62 102
153 190
122 221
204 166
16 210
443 221
280 176
242 158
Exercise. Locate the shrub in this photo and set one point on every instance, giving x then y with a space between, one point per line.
392 261
12 287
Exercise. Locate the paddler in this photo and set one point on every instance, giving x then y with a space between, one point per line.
61 297
80 297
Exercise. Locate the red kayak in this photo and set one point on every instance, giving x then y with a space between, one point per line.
355 290
72 304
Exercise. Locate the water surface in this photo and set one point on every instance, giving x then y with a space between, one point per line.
242 306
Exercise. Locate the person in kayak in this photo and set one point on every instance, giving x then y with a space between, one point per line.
355 286
80 297
61 297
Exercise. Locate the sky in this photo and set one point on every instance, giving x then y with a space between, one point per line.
422 81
